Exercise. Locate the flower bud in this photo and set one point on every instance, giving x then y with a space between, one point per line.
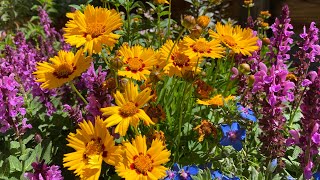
244 68
188 21
140 11
116 63
196 32
266 41
251 80
203 21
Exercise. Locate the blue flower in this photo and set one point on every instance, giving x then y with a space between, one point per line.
217 175
233 135
317 175
246 113
185 172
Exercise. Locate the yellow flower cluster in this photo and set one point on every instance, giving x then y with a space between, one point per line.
93 30
93 144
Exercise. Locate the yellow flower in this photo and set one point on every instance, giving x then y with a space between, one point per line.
202 48
137 62
141 163
160 1
178 62
237 39
92 144
62 69
128 109
203 21
217 100
93 28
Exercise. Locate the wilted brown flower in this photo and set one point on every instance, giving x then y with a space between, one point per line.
206 128
203 90
156 113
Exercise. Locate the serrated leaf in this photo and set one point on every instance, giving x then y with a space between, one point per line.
15 164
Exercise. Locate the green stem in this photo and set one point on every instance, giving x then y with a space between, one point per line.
229 75
158 24
128 19
78 93
22 148
175 43
296 108
186 88
169 21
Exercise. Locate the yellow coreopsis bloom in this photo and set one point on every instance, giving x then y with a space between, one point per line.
202 48
93 144
137 62
62 69
237 39
217 100
160 1
178 62
93 28
140 163
128 109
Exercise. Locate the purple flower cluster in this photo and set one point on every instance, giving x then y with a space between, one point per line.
243 77
74 113
22 61
43 171
281 40
272 89
98 95
46 45
11 109
309 46
308 139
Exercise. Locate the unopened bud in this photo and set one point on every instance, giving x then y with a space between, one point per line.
203 21
116 63
251 80
244 68
266 41
188 21
196 32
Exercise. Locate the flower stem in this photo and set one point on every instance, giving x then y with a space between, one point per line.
186 88
175 43
296 108
78 93
169 21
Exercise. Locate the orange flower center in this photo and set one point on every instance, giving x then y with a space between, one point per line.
128 109
229 40
95 30
63 71
94 147
142 163
180 59
201 47
135 64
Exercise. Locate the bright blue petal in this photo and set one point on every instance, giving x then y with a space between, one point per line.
177 177
176 167
237 145
252 118
225 141
193 170
242 134
216 174
235 126
225 129
316 175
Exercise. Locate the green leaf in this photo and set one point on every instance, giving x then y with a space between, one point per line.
33 157
46 155
14 145
15 164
